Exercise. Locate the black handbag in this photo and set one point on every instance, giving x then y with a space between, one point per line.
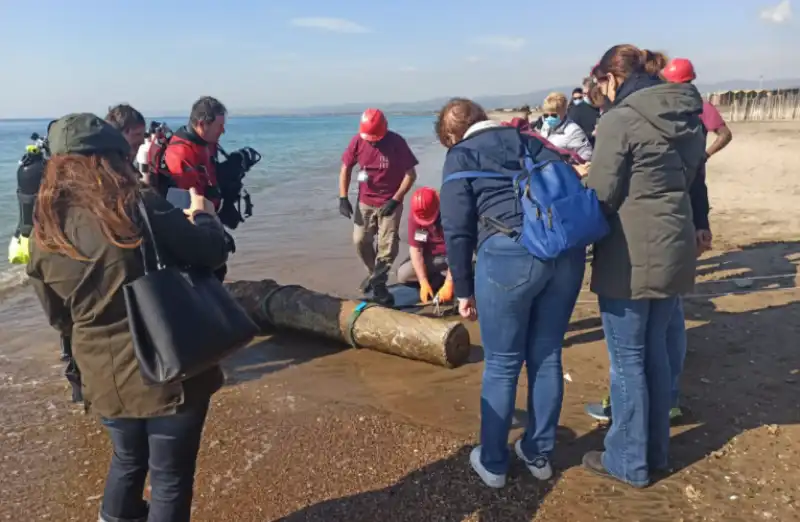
182 322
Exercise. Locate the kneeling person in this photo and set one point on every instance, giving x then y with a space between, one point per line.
427 264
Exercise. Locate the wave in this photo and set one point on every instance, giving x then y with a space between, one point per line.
12 279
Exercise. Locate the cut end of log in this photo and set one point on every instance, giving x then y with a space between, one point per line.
457 345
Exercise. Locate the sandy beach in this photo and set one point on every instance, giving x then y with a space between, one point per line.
307 431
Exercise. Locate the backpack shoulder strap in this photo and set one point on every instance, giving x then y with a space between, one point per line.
473 174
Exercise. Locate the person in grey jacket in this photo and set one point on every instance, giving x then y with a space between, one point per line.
648 148
560 130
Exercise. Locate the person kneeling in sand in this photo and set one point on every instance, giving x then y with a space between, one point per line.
427 263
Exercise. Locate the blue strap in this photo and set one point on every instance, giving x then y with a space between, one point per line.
472 174
527 159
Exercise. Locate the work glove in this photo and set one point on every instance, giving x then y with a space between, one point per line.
445 293
345 208
425 292
388 208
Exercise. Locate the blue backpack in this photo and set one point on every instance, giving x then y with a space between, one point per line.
559 212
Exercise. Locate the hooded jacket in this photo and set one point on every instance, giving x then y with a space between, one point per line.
487 147
649 147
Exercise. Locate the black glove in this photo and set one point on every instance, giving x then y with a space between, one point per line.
388 208
345 208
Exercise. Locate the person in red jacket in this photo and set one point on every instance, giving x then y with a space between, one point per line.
191 153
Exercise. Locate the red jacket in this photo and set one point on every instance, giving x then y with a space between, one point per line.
191 162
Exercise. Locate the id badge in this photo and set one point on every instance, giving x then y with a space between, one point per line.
421 236
362 176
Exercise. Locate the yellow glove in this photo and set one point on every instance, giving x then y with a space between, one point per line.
445 293
425 292
19 251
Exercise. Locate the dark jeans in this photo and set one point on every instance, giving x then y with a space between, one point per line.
524 305
167 447
641 385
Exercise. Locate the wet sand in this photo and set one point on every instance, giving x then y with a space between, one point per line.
310 431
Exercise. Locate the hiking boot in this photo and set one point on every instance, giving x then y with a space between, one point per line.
366 285
539 467
377 276
490 479
600 411
381 295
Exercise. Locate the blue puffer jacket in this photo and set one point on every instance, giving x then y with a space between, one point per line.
489 148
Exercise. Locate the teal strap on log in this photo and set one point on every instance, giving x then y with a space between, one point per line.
351 323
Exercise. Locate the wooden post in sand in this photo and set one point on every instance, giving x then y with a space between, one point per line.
440 342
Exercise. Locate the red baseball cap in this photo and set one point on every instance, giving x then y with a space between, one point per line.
679 70
373 125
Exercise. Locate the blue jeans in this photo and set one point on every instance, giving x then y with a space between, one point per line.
676 348
524 305
641 384
167 447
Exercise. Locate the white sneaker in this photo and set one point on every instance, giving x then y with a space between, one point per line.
539 467
488 478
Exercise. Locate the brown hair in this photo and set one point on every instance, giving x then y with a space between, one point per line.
655 61
105 185
595 96
455 118
624 60
123 117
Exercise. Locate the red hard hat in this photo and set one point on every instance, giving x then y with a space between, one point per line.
373 125
679 70
425 206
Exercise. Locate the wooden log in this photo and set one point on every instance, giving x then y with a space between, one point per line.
441 342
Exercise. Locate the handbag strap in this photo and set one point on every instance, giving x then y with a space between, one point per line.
149 232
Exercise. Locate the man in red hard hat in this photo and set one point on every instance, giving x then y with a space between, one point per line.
681 70
427 263
386 173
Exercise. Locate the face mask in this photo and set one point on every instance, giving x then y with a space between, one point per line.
577 101
552 121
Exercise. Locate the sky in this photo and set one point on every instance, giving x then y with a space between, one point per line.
86 55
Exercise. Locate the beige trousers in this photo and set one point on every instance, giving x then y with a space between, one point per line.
368 225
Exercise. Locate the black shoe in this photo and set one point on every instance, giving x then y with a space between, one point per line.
366 285
382 296
380 274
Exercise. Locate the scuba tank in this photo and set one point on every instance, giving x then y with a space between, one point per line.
29 177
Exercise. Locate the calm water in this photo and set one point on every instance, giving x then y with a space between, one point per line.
294 188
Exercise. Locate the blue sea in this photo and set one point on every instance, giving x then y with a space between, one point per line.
296 233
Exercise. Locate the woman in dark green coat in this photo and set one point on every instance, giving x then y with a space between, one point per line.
649 145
